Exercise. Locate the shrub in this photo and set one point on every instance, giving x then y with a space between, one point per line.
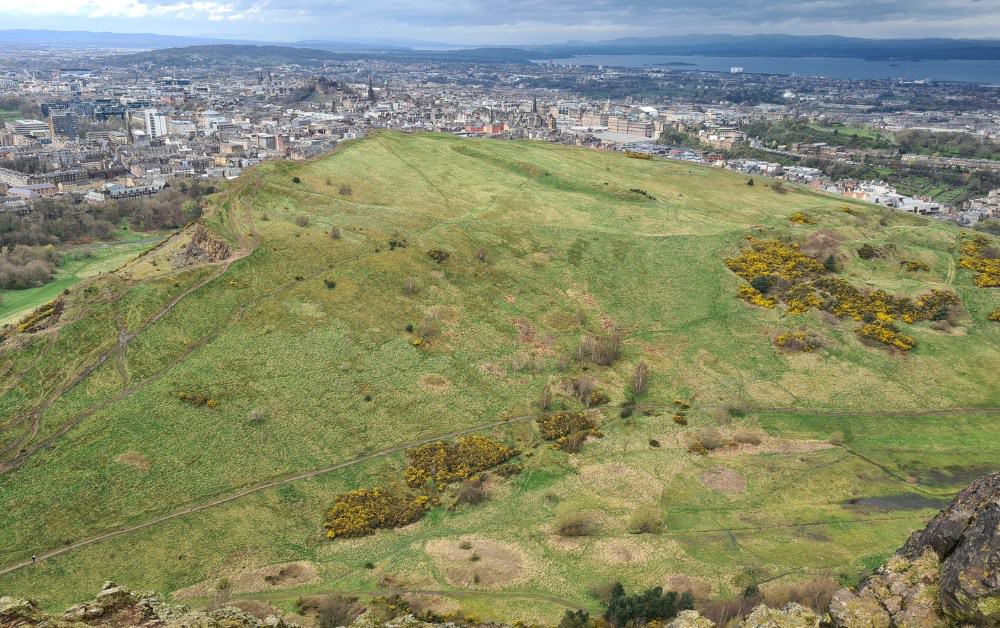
603 350
779 187
443 463
257 416
471 492
649 606
334 233
574 522
481 255
976 255
345 189
680 417
438 255
330 284
994 315
302 220
645 520
296 180
801 218
337 610
746 437
428 328
574 619
867 251
886 333
654 443
914 266
410 285
574 442
797 341
704 441
361 512
597 397
558 425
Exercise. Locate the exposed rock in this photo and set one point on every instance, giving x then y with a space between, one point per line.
947 573
690 619
204 246
117 607
790 615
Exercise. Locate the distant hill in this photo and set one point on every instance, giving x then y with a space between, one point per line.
228 54
791 46
50 38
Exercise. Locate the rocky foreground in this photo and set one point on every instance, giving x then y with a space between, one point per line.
947 574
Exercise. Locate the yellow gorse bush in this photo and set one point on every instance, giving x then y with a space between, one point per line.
361 512
802 283
444 463
987 269
887 334
561 424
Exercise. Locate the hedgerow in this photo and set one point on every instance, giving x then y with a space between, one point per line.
444 463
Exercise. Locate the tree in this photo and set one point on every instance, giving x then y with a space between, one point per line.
639 378
575 619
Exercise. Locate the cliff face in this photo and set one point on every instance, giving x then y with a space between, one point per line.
947 573
117 607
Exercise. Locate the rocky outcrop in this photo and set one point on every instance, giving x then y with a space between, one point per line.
204 247
947 573
117 607
690 619
790 615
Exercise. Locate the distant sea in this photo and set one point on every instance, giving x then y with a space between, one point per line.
960 70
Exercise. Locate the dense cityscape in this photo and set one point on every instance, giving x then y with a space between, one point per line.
108 130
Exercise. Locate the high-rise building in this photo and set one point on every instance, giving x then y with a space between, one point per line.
156 123
63 125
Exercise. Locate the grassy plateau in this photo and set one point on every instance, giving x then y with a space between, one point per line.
300 339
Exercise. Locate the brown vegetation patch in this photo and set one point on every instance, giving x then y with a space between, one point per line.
271 577
134 459
773 446
620 481
476 562
561 321
624 551
434 382
723 480
699 589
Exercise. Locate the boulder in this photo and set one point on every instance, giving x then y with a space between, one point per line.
790 615
690 619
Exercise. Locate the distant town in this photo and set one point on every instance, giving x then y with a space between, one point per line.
112 125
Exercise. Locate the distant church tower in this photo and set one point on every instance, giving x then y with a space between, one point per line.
371 90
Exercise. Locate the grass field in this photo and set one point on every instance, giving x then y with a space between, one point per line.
78 263
547 243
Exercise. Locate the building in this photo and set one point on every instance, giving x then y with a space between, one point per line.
156 123
63 125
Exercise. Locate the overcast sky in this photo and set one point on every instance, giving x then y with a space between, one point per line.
507 21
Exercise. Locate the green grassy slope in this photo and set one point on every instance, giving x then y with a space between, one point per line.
569 250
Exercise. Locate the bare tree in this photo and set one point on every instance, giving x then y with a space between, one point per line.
639 378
